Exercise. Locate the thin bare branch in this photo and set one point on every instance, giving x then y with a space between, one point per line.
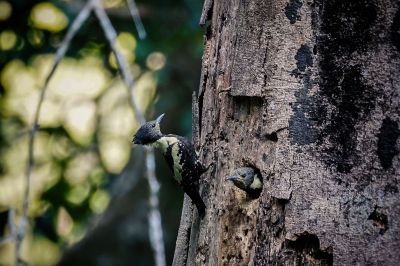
19 233
136 18
111 36
155 228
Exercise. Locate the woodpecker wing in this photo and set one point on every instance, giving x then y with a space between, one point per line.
183 161
189 156
168 158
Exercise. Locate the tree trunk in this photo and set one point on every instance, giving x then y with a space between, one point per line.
308 93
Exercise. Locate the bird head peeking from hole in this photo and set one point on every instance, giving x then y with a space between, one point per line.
247 179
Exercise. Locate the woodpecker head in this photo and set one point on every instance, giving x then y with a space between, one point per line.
242 177
247 179
149 132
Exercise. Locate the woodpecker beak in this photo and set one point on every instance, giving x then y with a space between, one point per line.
232 177
158 119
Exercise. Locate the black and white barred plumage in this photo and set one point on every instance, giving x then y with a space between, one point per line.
180 157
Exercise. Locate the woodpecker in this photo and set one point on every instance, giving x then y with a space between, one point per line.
247 179
180 156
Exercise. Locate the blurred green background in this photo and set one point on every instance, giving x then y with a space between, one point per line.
89 197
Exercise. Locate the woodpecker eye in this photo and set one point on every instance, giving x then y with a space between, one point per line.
153 125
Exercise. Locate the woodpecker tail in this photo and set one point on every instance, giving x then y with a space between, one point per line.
197 200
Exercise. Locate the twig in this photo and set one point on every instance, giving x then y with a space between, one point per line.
136 18
155 229
111 36
75 26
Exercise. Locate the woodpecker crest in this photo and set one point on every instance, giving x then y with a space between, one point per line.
247 179
179 155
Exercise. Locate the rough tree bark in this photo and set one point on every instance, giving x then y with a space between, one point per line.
308 93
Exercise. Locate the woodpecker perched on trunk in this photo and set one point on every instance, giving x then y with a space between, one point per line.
180 156
247 179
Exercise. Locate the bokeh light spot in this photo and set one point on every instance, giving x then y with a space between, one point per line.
80 121
99 201
80 167
85 78
126 44
127 41
47 16
35 37
8 39
118 122
64 222
78 193
113 3
17 79
97 177
156 61
114 153
34 251
61 147
5 10
52 111
145 90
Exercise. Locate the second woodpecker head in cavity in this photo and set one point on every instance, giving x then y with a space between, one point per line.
247 179
149 132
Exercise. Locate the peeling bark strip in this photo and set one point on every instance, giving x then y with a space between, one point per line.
206 13
308 92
